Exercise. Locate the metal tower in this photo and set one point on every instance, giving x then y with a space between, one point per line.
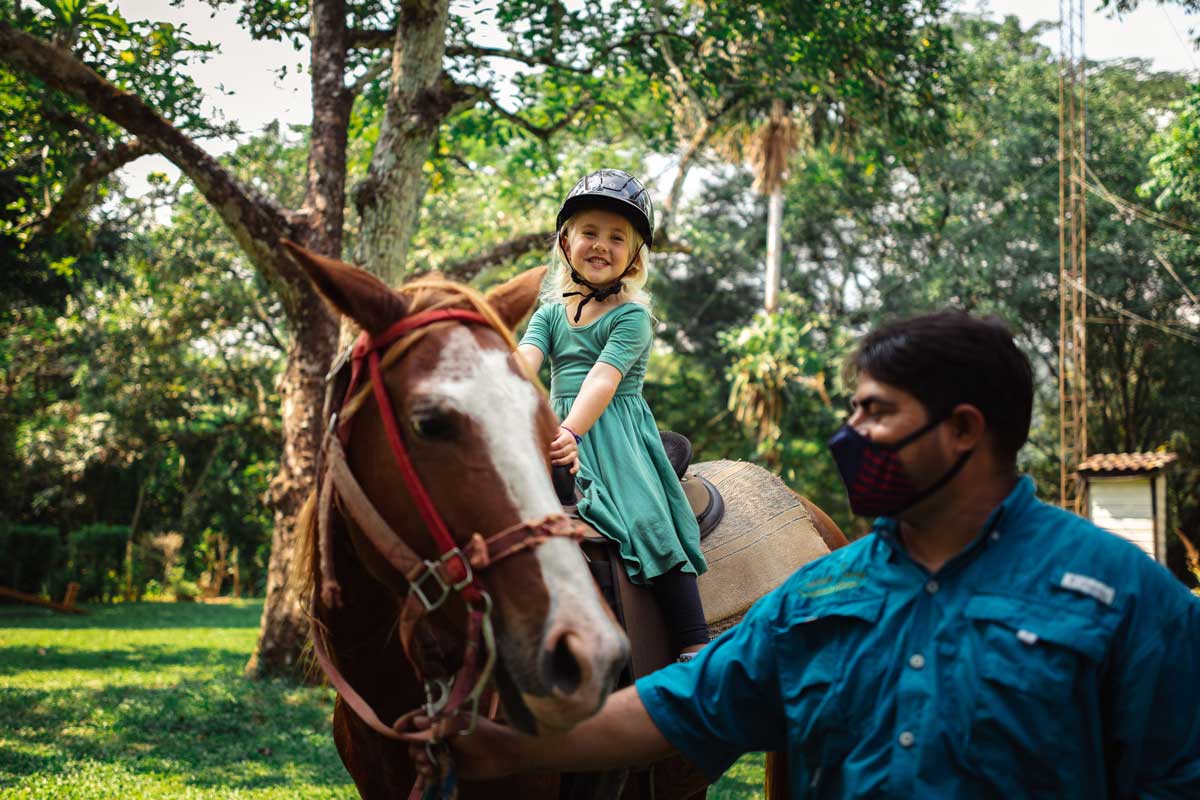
1072 252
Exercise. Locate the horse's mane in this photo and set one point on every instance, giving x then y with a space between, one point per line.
428 293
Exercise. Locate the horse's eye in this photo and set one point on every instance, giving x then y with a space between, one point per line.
433 424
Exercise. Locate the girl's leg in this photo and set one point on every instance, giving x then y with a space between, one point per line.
679 599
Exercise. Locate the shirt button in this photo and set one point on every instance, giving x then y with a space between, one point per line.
931 587
916 661
907 739
995 535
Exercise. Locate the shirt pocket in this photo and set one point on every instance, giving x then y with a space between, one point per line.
1037 664
817 656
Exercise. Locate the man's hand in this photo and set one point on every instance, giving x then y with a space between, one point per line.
621 734
491 751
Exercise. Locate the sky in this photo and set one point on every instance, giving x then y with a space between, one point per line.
243 84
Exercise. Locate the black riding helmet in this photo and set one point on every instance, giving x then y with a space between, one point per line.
615 191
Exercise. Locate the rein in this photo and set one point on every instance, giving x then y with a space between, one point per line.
431 582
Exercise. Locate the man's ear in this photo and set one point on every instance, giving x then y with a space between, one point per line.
352 291
969 426
514 299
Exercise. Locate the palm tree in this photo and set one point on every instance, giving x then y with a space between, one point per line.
772 145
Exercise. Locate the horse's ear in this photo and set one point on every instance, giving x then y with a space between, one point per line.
514 299
351 290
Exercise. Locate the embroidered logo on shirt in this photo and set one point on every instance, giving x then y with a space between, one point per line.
1097 590
823 586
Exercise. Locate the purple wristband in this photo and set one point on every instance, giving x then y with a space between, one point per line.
578 438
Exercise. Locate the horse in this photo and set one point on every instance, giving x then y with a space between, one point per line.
434 555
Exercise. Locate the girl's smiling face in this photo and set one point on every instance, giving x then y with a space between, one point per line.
598 245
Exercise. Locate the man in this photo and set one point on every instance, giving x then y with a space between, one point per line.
979 643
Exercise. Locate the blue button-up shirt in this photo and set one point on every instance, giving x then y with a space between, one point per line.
1048 659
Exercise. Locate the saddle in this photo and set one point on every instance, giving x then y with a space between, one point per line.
633 605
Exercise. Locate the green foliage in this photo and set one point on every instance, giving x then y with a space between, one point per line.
153 395
32 556
47 139
770 358
843 69
97 560
1175 179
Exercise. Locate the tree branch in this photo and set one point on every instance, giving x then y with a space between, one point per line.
503 253
255 222
101 166
370 38
515 55
669 206
374 71
541 132
384 38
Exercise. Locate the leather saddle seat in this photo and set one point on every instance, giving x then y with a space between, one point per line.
633 605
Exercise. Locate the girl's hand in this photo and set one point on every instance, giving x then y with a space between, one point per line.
564 450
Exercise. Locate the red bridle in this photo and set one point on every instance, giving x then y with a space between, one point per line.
456 569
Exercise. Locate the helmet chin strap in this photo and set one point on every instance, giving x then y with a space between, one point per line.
599 293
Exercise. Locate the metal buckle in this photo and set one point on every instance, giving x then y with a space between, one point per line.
417 586
434 569
470 576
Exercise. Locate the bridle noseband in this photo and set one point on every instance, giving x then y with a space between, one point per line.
431 582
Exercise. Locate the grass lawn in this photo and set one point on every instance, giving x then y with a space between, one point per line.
147 700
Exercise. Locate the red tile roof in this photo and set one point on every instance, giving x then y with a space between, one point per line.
1126 462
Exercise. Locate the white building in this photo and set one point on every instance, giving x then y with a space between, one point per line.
1127 494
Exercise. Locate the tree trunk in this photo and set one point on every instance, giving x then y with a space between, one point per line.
774 250
284 628
419 98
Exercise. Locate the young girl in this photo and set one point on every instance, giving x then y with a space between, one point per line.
594 325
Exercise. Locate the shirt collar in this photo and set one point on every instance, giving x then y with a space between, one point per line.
1020 498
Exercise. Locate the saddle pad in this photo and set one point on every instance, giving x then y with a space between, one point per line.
767 533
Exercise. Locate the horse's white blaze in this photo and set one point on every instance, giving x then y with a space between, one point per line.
481 384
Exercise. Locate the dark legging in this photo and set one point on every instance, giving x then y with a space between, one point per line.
679 600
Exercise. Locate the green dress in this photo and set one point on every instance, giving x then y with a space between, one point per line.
630 492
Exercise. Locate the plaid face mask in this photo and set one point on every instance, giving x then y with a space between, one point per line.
875 480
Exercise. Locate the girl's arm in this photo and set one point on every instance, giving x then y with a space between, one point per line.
594 396
532 356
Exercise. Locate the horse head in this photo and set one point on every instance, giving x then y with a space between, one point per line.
475 430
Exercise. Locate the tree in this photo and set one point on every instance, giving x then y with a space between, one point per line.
876 230
146 398
433 69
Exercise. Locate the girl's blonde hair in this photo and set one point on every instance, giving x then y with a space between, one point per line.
558 279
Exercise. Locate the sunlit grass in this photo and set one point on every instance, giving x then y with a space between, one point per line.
148 701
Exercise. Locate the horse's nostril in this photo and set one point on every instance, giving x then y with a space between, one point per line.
561 668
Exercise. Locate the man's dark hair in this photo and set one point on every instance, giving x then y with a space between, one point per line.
949 357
